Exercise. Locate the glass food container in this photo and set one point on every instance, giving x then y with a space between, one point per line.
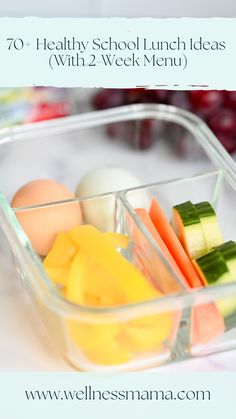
180 324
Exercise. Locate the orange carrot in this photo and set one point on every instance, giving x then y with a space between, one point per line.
206 321
143 214
172 242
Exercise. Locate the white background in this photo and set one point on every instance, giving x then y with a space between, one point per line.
96 8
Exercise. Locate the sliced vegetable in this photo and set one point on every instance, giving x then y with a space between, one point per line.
59 275
143 214
93 273
110 354
219 267
227 306
93 336
61 253
143 337
171 241
228 250
206 321
124 274
212 267
188 228
149 260
117 240
76 283
210 225
99 284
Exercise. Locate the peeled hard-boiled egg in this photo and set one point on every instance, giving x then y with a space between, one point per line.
43 224
101 211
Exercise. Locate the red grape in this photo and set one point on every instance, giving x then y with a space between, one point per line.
179 99
228 142
143 137
155 96
108 98
223 122
230 99
206 101
216 108
121 130
133 95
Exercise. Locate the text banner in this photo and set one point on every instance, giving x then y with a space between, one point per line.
182 53
138 395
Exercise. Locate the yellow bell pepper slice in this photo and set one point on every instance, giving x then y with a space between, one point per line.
110 355
91 301
93 337
58 275
100 284
117 240
134 285
75 283
106 302
61 253
139 336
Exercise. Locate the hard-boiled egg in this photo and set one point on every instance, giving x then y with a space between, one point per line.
43 224
101 211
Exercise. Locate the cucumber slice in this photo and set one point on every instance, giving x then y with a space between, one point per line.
219 267
188 228
227 306
212 267
210 225
228 250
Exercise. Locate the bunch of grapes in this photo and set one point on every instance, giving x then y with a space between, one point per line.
216 107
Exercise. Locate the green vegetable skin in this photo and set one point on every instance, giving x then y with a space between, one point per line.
197 227
228 250
210 225
198 230
219 267
187 225
212 267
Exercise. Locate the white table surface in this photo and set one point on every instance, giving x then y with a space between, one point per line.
24 343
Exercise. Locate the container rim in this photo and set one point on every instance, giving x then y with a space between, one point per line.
119 193
203 135
33 262
198 128
121 196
